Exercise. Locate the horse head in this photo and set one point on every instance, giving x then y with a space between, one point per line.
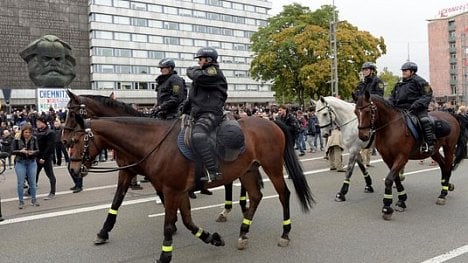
365 111
325 116
83 148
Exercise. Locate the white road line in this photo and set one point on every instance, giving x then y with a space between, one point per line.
449 255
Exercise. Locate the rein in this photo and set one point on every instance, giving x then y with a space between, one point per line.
113 169
330 109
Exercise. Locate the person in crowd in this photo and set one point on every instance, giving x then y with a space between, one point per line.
205 104
7 139
26 149
46 142
335 150
413 93
301 136
318 139
171 90
59 147
1 216
311 131
289 120
374 85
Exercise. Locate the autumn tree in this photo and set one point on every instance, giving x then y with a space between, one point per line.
293 53
389 79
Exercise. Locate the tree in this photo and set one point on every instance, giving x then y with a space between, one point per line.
389 79
293 52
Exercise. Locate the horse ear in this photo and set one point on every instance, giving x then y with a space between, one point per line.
72 95
354 96
322 99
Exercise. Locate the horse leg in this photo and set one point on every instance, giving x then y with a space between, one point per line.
122 188
446 170
367 178
222 217
387 209
250 182
400 205
182 201
243 199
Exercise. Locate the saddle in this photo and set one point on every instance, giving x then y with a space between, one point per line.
441 128
228 136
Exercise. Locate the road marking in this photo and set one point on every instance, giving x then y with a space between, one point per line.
449 255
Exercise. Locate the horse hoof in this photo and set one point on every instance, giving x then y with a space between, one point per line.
340 197
386 216
217 240
100 241
441 201
242 243
221 218
451 187
368 189
399 208
283 242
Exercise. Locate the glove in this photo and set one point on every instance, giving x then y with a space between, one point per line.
185 107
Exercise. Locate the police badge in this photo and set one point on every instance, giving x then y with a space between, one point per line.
211 71
175 89
428 89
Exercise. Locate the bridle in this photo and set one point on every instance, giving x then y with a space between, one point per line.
371 126
332 112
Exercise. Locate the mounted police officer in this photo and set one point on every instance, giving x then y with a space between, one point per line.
371 82
171 91
205 104
414 94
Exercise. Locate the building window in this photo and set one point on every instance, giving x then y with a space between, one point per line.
122 36
215 44
139 38
227 4
174 55
200 43
186 42
103 2
172 40
156 39
199 1
123 69
199 28
103 34
185 12
240 87
239 46
103 18
155 23
105 84
252 87
226 45
124 85
124 20
156 54
170 10
228 73
186 27
155 8
453 89
261 10
140 54
186 56
102 51
139 6
141 85
239 60
105 68
119 52
171 25
227 59
214 2
237 6
139 21
122 4
249 8
199 14
140 70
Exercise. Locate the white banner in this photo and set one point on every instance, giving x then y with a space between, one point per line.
49 97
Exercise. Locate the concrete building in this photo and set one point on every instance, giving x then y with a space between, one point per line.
448 58
118 43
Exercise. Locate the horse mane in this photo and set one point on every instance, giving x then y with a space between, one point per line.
385 102
109 102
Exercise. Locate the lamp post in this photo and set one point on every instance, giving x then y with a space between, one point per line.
334 56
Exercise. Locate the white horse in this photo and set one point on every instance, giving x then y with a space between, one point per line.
332 112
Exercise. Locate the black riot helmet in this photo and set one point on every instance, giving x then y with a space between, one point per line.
410 66
166 63
369 65
207 52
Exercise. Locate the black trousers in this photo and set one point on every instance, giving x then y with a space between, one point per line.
49 171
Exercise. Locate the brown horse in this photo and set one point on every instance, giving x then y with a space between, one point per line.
395 143
148 146
91 106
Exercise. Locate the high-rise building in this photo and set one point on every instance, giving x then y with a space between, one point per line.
448 58
120 43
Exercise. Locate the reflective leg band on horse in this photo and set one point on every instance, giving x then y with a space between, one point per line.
287 222
202 234
112 211
388 199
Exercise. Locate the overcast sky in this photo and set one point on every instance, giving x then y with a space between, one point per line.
402 23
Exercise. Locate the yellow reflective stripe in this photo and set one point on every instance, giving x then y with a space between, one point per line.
366 174
442 180
243 198
445 188
112 211
200 231
346 182
247 221
167 248
287 222
228 202
388 196
402 192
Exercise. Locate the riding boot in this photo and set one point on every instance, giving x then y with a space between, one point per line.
428 135
211 165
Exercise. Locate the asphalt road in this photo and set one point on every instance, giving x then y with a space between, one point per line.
63 229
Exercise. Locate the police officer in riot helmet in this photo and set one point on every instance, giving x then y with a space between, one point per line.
206 100
414 94
171 90
371 82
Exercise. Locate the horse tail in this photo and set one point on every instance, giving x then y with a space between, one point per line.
294 169
461 151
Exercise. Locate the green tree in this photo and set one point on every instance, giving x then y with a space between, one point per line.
389 79
293 53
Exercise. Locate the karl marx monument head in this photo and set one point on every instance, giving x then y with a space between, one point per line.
50 62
